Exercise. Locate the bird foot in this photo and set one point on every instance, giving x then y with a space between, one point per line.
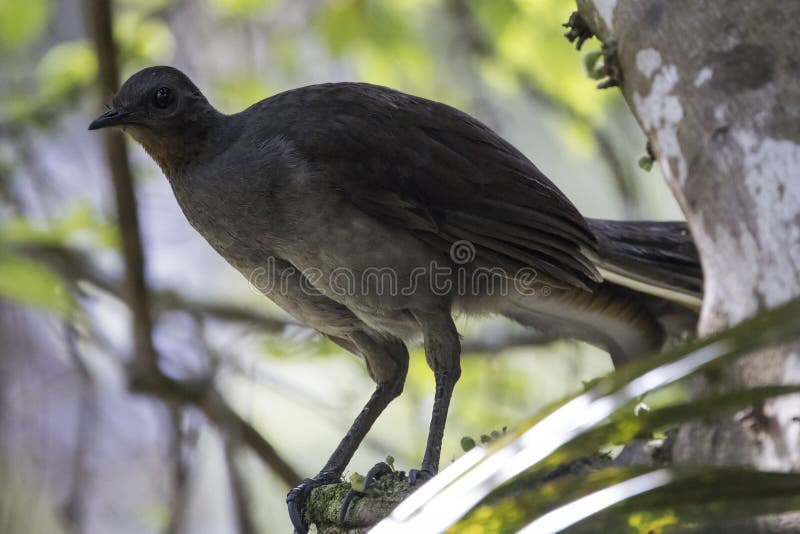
379 470
296 499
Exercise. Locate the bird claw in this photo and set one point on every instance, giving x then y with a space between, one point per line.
379 470
296 499
419 475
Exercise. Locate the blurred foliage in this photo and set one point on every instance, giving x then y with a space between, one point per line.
238 93
242 8
142 40
526 31
148 7
65 68
21 22
28 282
65 71
390 43
378 37
79 227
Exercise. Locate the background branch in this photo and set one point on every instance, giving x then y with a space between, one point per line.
238 484
76 266
100 17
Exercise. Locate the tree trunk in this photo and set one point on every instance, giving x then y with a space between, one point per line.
714 85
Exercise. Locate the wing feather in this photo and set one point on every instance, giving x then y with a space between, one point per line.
438 172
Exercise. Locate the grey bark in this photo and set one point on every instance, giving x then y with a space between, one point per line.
714 85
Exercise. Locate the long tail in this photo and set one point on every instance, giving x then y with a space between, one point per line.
651 292
653 257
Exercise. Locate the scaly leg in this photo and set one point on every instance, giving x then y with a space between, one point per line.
443 353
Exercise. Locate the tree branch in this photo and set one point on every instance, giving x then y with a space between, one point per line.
146 362
180 472
238 484
74 508
389 491
325 503
75 266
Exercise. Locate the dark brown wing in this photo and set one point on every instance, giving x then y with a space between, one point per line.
438 172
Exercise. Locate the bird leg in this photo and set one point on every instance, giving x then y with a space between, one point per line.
384 393
445 383
388 365
443 353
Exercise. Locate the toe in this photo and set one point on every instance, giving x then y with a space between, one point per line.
379 470
296 499
349 498
296 502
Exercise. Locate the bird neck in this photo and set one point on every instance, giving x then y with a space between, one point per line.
186 144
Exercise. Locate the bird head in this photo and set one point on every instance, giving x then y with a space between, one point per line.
163 110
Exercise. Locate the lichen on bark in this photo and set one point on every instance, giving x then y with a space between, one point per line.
324 505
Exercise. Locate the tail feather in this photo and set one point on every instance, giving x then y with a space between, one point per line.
658 258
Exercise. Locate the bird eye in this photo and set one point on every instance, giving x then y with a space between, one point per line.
162 97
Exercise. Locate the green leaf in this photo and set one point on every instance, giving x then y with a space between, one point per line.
636 497
706 498
646 163
626 427
357 481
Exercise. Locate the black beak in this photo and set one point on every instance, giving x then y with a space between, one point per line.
115 116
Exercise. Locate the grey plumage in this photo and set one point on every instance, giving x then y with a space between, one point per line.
359 179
